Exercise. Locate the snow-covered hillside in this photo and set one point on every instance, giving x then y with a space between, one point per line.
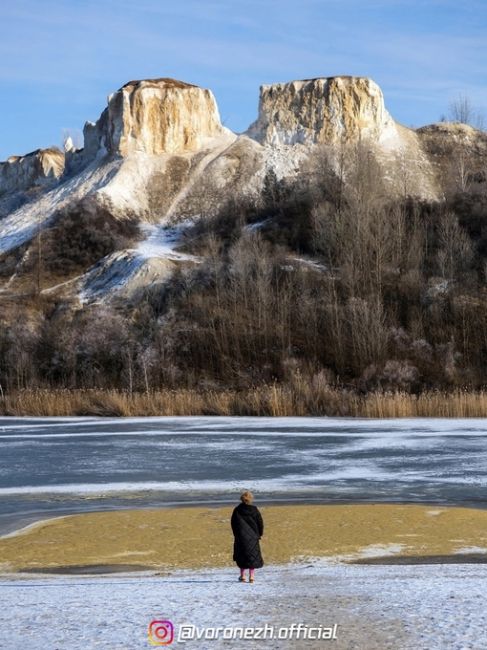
159 154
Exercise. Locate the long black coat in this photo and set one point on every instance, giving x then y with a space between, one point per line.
248 528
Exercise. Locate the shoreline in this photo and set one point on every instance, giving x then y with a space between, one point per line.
15 525
266 400
165 539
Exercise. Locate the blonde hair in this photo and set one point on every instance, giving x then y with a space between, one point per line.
246 497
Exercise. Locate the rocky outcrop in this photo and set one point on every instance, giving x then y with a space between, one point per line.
154 116
454 131
40 168
326 110
159 154
457 153
447 138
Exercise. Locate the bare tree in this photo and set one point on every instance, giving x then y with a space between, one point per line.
455 254
462 110
461 168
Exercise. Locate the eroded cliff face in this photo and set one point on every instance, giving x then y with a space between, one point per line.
325 110
40 168
159 154
154 116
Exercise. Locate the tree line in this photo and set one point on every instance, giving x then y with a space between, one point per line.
327 280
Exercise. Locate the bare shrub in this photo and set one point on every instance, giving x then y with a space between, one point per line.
80 237
395 375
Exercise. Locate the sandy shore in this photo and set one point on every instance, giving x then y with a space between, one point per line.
176 564
165 539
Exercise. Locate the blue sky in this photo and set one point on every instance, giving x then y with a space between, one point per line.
59 59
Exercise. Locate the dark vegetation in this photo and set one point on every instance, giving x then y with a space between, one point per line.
75 240
323 283
79 238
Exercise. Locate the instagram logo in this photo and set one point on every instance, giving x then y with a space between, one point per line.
161 632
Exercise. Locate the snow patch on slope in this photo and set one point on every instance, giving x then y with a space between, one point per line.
161 241
285 160
153 260
20 226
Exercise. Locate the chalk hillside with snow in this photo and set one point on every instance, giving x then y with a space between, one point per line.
159 159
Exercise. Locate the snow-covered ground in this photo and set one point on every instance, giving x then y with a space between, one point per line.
161 241
125 271
20 226
375 607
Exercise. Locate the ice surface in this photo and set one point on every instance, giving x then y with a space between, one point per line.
80 464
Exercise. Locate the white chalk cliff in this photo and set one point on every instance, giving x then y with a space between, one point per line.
159 153
41 168
322 111
155 116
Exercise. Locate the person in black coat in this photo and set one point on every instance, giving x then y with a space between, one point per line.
248 528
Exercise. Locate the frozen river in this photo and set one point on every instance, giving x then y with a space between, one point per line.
52 466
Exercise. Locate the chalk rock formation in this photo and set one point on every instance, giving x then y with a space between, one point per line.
39 168
154 116
325 110
160 155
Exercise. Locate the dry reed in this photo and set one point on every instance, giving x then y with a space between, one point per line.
296 399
